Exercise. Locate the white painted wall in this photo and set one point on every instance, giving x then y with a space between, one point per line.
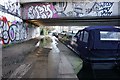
33 32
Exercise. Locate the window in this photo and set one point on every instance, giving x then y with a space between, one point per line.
81 36
85 38
108 35
78 34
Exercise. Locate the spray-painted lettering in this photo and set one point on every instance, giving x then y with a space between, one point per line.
40 11
101 8
13 7
14 32
66 9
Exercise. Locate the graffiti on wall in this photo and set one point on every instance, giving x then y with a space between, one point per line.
13 7
67 9
92 9
12 32
60 8
102 8
79 8
41 11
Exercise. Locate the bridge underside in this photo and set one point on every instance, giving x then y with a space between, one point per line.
83 21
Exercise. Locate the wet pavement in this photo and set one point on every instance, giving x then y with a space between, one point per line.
51 62
51 59
13 56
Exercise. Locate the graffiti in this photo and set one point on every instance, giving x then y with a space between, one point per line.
60 8
21 31
1 24
69 9
11 33
105 8
40 11
13 7
95 8
5 28
78 8
102 8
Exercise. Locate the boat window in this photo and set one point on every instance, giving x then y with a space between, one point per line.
81 36
85 38
108 35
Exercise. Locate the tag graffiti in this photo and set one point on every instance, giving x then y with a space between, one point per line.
13 7
40 11
105 8
102 8
11 33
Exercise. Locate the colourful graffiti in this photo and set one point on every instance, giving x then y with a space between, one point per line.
41 11
67 9
12 32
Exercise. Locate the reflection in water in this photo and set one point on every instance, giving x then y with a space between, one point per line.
44 42
100 74
53 59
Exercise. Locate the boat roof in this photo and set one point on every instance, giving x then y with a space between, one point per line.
101 28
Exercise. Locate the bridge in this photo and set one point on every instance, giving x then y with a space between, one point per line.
22 21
